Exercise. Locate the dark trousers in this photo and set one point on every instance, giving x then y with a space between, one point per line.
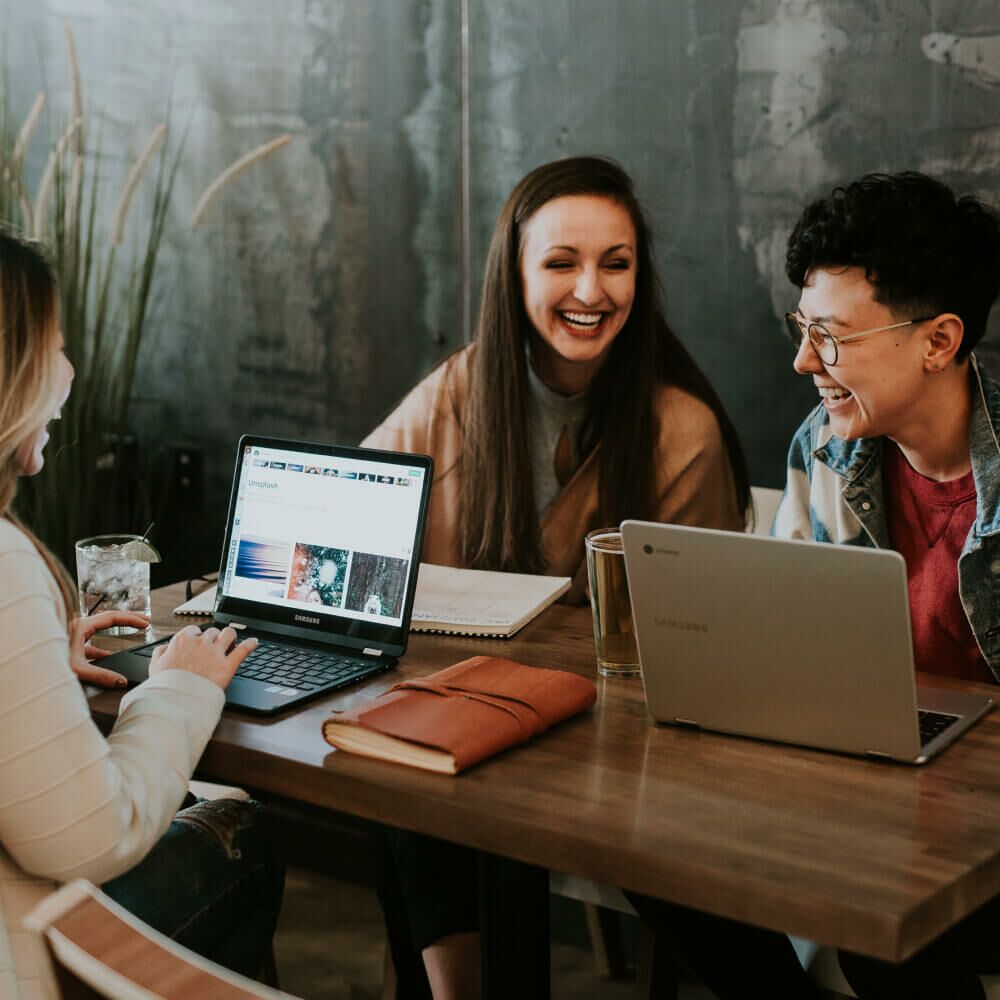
428 889
213 883
739 962
735 961
949 967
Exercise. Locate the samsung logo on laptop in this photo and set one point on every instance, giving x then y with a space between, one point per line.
307 619
681 625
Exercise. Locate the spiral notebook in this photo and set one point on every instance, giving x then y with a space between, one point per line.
200 604
451 601
480 603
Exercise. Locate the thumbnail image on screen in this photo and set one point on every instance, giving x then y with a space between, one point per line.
377 584
262 559
318 575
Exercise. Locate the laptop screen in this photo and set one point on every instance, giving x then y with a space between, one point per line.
325 539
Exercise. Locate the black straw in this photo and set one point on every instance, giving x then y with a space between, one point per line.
100 600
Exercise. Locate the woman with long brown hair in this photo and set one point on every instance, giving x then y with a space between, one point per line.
574 407
72 804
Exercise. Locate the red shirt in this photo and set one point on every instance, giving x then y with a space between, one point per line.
928 525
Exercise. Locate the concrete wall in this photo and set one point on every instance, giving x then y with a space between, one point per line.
330 278
729 115
324 281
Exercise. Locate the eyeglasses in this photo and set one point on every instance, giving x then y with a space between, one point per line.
824 343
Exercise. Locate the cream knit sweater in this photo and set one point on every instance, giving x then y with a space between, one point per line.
72 803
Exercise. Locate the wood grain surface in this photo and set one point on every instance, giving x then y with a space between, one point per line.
878 858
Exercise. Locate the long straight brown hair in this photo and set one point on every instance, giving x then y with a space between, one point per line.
498 523
29 332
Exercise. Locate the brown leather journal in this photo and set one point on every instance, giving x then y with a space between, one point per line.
461 715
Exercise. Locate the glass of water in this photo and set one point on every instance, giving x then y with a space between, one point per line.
109 580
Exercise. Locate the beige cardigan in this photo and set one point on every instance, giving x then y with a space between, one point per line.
72 803
694 478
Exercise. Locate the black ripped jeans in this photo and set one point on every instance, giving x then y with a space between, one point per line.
213 883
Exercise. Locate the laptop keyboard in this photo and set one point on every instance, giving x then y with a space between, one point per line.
933 724
302 669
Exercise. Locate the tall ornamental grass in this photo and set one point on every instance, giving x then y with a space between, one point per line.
95 478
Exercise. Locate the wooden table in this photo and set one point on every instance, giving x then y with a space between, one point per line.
877 858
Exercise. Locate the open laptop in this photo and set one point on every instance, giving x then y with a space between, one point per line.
320 563
801 642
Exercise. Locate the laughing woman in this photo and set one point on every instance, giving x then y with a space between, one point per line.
72 804
575 407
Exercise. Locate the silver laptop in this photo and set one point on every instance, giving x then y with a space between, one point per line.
800 642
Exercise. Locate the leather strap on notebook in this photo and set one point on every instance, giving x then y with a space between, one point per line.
502 702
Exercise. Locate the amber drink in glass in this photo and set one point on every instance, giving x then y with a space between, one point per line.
614 634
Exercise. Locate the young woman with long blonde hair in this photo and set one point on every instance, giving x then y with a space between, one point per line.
72 803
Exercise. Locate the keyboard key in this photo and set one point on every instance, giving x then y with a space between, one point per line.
933 724
302 669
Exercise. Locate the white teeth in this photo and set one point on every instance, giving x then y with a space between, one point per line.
833 393
587 320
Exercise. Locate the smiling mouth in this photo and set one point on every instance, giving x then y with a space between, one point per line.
584 322
833 396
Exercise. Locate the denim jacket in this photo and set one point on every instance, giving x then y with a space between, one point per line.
834 494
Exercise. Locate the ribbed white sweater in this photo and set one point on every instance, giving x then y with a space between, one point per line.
72 803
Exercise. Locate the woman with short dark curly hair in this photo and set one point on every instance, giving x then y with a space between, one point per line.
897 277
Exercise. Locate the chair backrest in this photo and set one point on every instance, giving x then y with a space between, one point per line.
765 505
101 950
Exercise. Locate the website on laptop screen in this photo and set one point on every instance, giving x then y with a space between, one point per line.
323 534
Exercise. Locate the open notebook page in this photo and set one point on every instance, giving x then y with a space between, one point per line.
479 602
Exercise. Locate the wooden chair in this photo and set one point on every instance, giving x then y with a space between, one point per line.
765 506
99 949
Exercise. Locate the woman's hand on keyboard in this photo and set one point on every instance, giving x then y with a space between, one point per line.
210 654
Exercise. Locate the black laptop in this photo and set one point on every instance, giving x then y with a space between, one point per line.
320 564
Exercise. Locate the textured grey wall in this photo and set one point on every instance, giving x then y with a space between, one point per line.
729 115
325 280
330 278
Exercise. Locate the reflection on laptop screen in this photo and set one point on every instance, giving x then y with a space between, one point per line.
331 535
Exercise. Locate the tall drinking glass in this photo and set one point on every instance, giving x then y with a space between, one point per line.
108 580
614 635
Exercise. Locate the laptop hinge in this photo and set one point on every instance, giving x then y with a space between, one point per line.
688 723
371 652
879 755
